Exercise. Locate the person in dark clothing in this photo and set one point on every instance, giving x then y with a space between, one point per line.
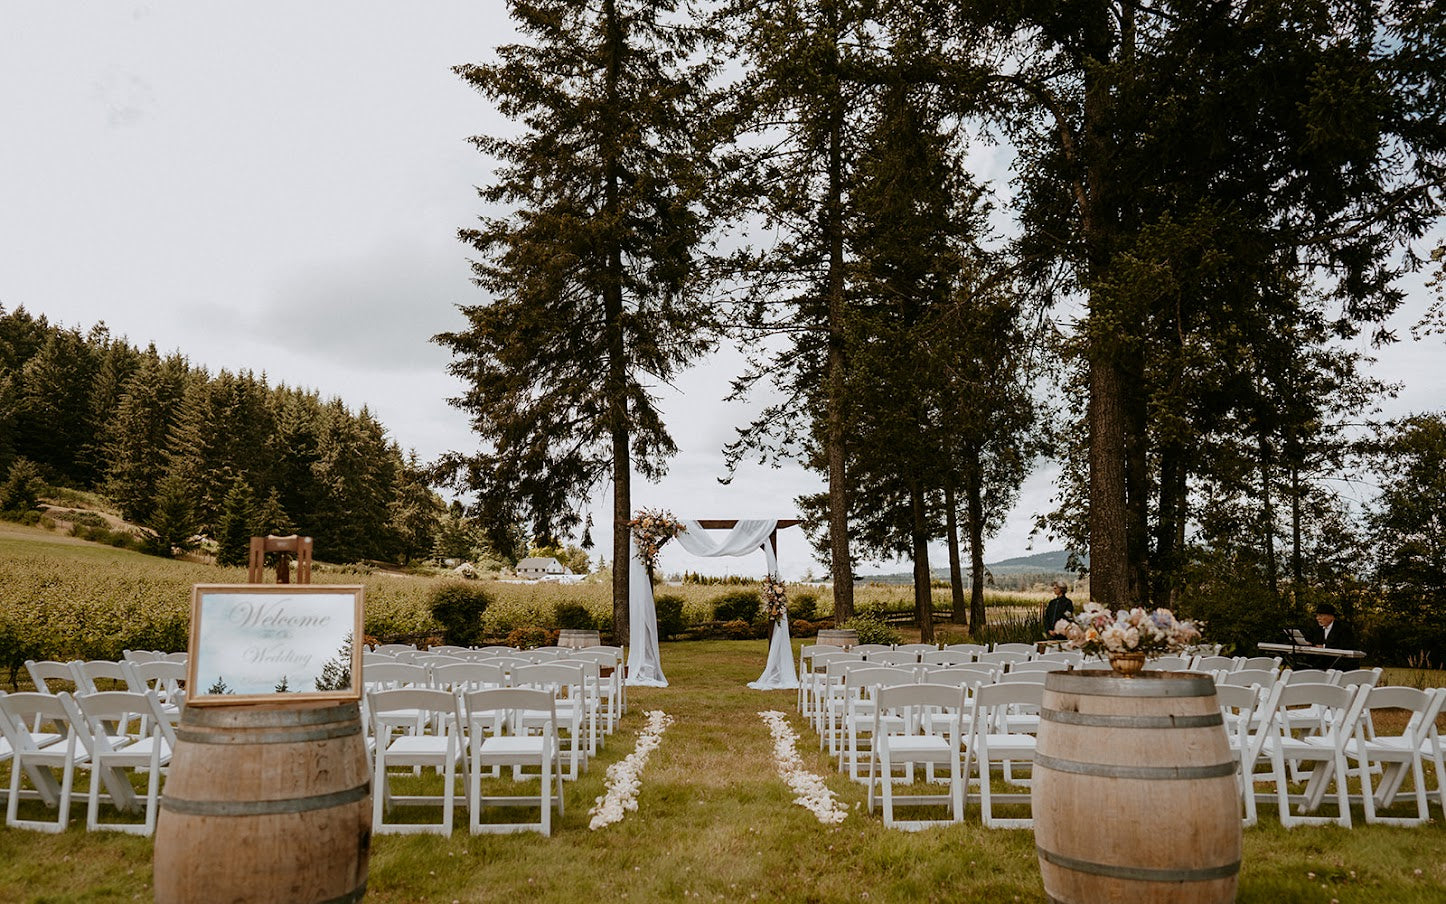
1331 631
1059 607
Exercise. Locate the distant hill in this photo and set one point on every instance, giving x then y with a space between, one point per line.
1054 562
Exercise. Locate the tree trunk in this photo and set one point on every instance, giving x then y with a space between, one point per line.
960 614
617 356
1137 483
841 562
1109 551
974 524
923 592
1267 515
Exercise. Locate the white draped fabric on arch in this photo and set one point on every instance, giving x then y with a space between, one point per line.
746 537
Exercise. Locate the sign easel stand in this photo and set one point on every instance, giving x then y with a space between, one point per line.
287 547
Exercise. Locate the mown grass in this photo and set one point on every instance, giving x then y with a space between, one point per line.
715 822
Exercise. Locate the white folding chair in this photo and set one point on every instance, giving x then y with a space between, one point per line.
1002 658
1215 664
901 738
805 673
864 649
1259 662
1395 755
1246 715
566 684
1168 663
893 657
1038 665
493 717
1325 751
611 683
443 750
460 677
920 648
860 690
111 755
946 657
995 738
51 676
37 729
88 672
392 649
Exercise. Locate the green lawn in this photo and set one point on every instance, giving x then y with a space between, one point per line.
715 822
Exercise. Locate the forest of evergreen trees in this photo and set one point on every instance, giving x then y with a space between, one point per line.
185 452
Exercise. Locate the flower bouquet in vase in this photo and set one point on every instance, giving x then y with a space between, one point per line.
1127 637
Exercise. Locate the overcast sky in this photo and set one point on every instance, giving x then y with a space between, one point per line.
277 186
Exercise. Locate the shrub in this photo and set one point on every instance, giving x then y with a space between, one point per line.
803 606
872 628
738 629
574 616
737 605
670 615
20 491
1014 627
801 628
458 608
530 636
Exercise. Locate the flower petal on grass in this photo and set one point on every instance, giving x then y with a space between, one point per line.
813 794
625 777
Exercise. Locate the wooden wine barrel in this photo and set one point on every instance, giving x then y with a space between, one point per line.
265 803
839 637
1134 790
578 638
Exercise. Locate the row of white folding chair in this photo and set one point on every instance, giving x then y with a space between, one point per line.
583 698
1263 727
492 728
164 676
90 731
154 656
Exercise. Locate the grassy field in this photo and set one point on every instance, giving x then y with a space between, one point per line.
715 822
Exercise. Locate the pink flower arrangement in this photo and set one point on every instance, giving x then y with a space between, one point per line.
1099 632
651 529
775 599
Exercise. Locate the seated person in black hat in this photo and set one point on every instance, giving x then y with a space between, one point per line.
1331 631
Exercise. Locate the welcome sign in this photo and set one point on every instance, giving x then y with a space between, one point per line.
271 642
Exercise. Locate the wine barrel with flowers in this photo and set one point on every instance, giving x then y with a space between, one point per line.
1134 790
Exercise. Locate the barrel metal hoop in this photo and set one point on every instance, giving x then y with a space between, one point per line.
279 736
350 897
265 807
1102 720
1100 684
1147 773
1140 873
237 717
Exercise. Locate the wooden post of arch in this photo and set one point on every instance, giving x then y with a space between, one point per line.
287 546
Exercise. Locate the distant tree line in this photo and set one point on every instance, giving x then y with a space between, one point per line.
186 452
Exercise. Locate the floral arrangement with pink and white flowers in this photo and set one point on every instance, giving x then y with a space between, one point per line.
1099 632
651 529
775 599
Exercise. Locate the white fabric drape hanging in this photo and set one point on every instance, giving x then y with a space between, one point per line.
644 667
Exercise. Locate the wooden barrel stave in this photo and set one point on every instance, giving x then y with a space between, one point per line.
265 803
1135 793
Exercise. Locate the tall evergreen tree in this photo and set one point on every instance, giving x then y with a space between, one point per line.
136 435
591 273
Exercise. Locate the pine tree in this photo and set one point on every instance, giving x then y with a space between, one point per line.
173 519
592 274
236 526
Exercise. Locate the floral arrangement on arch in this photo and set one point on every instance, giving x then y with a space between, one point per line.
651 529
775 599
1099 632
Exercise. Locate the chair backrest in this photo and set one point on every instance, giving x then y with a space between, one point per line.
159 674
410 700
143 655
88 672
395 648
45 672
390 675
601 657
918 647
1345 704
559 679
1357 677
1313 676
446 649
1168 663
178 656
1247 677
496 650
1002 657
873 676
492 709
28 711
947 657
973 649
466 676
1027 649
912 700
1259 662
866 648
93 712
894 657
1216 663
1423 705
991 700
1039 665
810 650
1068 657
1022 677
436 659
821 661
959 676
